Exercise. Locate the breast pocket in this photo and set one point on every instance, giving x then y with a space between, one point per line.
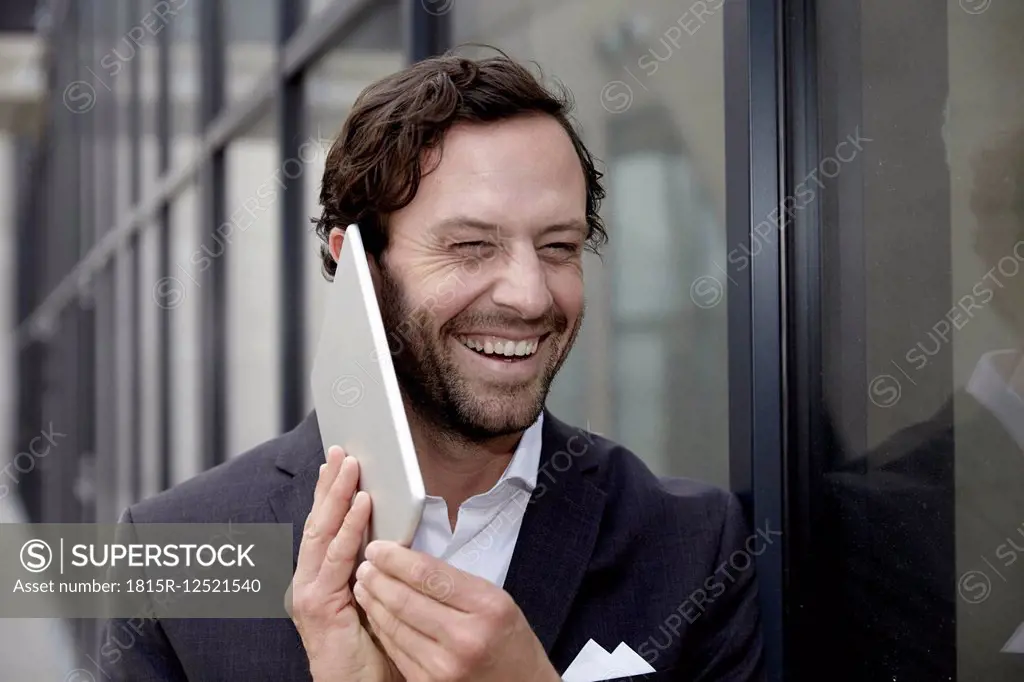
657 676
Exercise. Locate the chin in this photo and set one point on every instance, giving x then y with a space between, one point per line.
491 413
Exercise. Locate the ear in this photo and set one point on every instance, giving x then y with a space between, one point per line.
334 240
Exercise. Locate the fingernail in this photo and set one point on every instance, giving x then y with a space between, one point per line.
323 468
372 549
358 591
363 569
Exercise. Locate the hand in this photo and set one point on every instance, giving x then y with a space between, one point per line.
321 605
439 623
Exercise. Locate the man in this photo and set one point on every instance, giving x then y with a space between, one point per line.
476 199
926 532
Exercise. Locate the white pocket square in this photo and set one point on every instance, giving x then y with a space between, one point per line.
593 664
1015 645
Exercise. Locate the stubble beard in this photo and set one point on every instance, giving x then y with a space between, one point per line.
435 386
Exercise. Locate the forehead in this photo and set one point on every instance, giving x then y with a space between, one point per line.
520 172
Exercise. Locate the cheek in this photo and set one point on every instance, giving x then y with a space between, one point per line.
566 289
444 295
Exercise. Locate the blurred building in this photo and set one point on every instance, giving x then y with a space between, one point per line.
188 141
160 161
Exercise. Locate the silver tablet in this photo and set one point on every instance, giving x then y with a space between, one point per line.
358 404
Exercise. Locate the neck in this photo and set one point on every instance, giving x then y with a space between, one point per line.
455 468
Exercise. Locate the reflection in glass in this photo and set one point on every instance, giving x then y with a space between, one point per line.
921 534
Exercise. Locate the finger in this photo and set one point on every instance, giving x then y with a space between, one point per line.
429 575
324 526
430 617
341 554
328 472
410 649
410 669
304 571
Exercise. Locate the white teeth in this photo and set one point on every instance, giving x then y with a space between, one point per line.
506 348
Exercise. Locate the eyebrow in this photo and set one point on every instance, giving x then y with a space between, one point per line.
574 225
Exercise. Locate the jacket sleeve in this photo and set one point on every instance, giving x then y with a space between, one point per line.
730 647
137 649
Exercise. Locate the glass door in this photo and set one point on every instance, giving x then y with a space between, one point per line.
906 365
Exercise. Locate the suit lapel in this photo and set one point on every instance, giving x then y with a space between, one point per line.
558 532
292 502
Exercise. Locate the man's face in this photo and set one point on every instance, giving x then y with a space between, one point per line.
481 286
999 237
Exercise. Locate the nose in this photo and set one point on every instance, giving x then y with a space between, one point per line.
522 284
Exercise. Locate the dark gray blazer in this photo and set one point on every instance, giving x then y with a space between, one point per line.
606 551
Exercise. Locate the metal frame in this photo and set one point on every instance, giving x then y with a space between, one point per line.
806 431
823 386
290 121
753 160
212 180
163 125
429 33
133 253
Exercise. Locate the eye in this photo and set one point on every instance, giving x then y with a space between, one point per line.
475 249
563 247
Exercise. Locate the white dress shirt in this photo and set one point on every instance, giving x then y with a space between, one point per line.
993 385
488 524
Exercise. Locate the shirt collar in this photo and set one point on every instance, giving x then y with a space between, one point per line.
522 470
989 385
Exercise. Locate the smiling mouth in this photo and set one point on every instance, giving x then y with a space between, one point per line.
500 348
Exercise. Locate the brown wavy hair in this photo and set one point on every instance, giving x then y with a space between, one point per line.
375 166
